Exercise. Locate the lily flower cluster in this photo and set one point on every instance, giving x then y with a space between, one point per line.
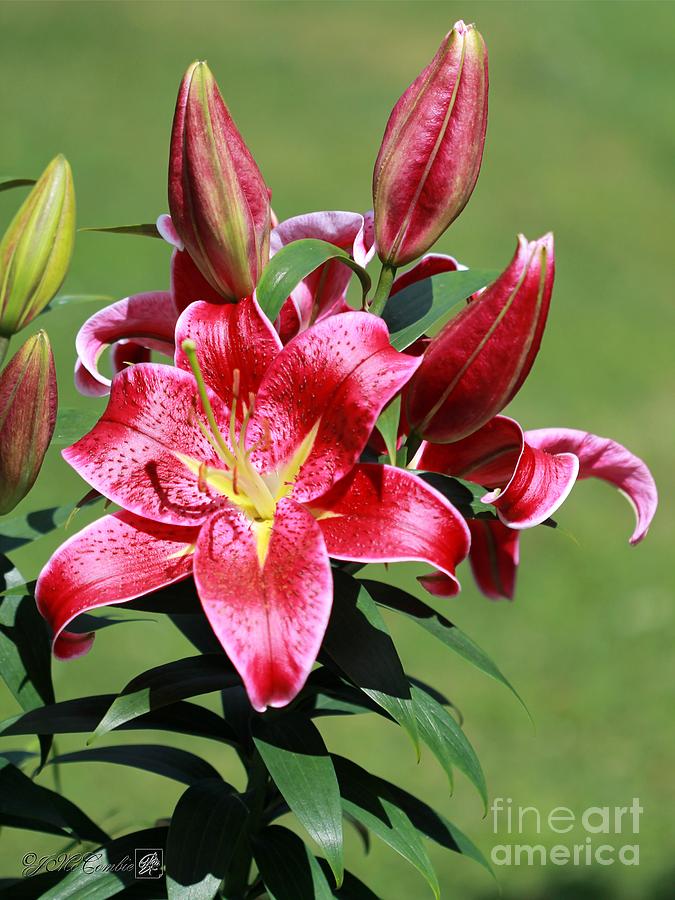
250 463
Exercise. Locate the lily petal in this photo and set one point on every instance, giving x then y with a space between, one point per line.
529 484
130 455
323 292
334 380
148 319
115 559
267 596
609 461
494 557
430 265
383 514
188 284
229 337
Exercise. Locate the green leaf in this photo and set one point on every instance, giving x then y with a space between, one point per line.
352 887
387 425
296 758
180 765
428 304
84 714
24 804
357 640
110 869
148 229
366 799
166 684
202 837
11 181
23 529
25 652
72 424
294 262
464 495
287 867
78 299
446 740
441 628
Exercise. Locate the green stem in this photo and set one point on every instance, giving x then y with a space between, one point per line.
236 881
383 289
4 347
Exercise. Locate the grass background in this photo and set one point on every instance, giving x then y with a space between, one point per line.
580 141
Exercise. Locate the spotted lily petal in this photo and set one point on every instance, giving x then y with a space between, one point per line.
329 384
113 560
609 461
382 514
131 454
231 337
268 596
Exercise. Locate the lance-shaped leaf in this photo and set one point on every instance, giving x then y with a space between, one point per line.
24 804
479 360
171 762
294 262
146 229
366 799
25 655
166 684
437 625
297 759
357 640
202 838
12 181
219 202
28 399
446 740
23 529
379 802
432 148
36 248
288 868
83 715
425 305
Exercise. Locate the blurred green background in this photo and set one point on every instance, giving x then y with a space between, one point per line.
580 140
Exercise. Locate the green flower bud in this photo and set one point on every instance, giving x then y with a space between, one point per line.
36 249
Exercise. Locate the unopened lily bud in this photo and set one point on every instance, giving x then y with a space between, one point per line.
28 401
36 249
220 204
432 148
477 363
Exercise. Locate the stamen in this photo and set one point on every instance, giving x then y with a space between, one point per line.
190 350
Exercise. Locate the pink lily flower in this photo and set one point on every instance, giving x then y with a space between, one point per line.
529 475
324 292
148 320
240 466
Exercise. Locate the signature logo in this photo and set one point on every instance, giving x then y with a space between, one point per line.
148 863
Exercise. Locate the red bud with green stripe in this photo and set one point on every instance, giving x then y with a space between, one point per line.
28 401
477 363
432 148
220 204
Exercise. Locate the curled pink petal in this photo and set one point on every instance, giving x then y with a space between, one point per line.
335 378
130 455
382 514
113 560
168 232
323 292
268 609
494 557
148 319
609 461
127 353
430 265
